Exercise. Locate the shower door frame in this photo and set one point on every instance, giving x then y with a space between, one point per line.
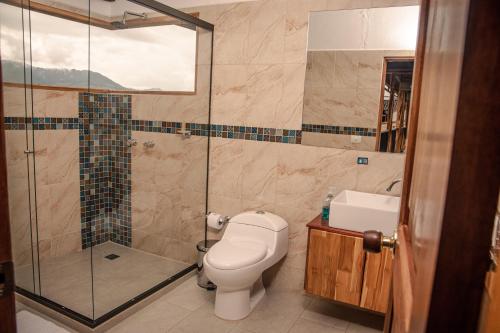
93 323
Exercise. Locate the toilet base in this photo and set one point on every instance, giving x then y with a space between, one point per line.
237 304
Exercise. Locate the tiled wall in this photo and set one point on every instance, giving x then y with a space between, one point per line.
164 213
259 72
342 90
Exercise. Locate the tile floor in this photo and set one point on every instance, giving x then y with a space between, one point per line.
189 309
68 280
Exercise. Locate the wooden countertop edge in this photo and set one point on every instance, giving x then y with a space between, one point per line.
318 224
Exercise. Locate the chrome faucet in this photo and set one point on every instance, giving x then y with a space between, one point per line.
394 182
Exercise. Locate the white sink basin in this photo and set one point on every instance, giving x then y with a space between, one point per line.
359 211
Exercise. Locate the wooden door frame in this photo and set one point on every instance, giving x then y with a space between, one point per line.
416 88
474 176
7 303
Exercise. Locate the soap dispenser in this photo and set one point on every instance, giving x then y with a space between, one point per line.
325 212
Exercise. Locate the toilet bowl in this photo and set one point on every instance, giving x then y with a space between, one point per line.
252 242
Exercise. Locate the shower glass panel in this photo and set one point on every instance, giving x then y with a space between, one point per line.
150 78
18 112
107 108
59 62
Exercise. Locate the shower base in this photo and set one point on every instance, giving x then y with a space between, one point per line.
68 281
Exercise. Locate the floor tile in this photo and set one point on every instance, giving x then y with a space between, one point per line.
190 296
356 328
157 317
276 313
307 326
325 313
203 320
340 316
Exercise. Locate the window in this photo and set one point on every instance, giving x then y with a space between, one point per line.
149 58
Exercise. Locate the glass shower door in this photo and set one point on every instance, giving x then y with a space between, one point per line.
59 64
15 46
150 79
107 129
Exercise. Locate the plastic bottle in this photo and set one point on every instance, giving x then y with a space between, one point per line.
325 211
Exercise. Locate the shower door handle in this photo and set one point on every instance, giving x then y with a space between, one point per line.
6 279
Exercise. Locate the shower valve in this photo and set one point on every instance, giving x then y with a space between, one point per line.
131 142
149 144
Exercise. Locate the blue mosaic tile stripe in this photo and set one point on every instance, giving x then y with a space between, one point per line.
342 130
105 168
267 134
40 123
155 126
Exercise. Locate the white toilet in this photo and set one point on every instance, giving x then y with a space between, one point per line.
252 242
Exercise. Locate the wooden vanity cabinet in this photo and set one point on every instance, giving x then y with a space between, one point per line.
337 268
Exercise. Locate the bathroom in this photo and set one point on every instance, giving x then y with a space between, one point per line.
227 166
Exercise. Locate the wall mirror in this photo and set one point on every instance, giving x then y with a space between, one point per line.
358 78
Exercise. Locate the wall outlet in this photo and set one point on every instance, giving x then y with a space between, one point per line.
362 160
355 138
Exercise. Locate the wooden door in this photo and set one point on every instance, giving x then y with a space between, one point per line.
7 307
452 174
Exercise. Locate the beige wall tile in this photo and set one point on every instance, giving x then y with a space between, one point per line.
62 155
289 114
230 92
230 39
53 103
259 172
66 244
338 141
265 40
14 101
64 199
265 92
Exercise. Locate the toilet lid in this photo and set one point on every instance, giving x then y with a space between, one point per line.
228 254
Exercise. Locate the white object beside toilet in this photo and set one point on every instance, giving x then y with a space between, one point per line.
253 242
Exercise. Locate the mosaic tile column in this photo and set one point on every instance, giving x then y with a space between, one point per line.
105 168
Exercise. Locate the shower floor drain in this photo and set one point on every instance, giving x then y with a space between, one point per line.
112 256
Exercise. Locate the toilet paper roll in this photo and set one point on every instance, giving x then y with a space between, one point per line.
215 221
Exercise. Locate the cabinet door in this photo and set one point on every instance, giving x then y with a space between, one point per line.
335 266
377 281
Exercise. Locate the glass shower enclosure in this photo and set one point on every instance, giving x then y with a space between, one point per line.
107 118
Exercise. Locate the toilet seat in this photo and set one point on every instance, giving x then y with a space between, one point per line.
230 254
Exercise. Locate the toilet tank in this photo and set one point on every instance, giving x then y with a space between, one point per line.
260 226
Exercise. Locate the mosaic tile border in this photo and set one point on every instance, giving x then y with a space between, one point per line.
40 123
252 133
267 134
342 130
155 126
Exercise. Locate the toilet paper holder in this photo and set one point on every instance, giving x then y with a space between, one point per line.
223 219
